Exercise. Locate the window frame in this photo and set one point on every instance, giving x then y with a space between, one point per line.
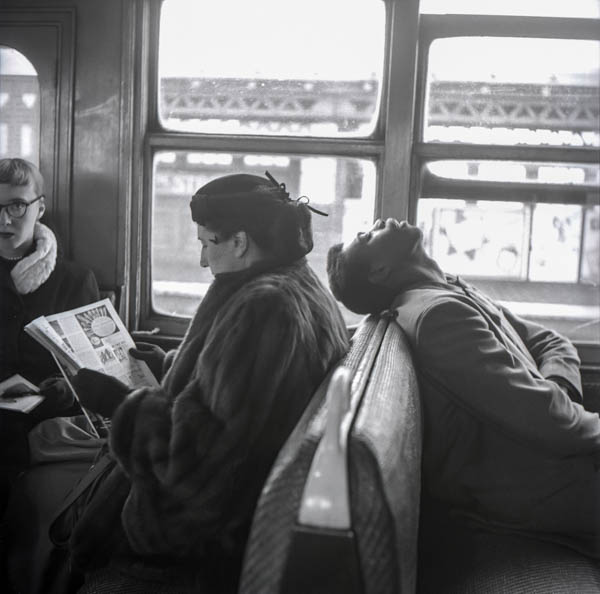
389 145
46 37
435 26
396 144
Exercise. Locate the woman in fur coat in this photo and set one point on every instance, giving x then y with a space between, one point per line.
197 450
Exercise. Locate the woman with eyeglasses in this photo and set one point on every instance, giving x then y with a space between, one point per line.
35 280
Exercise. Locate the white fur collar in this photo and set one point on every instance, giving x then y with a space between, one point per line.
33 271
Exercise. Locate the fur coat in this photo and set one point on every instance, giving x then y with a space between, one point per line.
198 450
42 283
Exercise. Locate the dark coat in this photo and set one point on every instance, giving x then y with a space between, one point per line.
504 444
48 285
198 449
69 286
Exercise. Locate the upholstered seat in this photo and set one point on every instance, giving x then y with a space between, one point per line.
384 478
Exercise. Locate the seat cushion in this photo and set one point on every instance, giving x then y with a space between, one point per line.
471 560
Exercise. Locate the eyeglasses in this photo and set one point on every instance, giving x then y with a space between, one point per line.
17 208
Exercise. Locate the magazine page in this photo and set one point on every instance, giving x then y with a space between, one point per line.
46 335
100 341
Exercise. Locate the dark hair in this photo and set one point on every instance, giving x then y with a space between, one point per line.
19 172
350 284
242 202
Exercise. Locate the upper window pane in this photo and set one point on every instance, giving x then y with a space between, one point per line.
19 107
547 8
310 68
513 91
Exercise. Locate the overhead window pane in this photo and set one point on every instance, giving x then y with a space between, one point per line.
513 91
557 8
310 68
19 106
342 187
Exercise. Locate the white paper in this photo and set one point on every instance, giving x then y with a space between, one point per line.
100 341
19 403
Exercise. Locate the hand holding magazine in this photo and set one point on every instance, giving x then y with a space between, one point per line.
16 393
94 337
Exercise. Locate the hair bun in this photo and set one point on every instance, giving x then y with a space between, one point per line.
292 230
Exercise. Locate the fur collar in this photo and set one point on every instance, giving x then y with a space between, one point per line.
33 271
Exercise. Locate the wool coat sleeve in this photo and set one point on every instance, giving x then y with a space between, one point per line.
82 292
188 454
466 360
555 356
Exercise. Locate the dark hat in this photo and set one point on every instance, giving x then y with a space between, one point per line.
261 207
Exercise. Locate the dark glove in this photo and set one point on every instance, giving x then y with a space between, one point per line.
17 390
152 355
99 392
59 397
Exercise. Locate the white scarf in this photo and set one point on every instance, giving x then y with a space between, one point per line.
33 271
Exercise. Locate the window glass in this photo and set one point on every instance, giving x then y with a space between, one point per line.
520 240
479 238
342 187
310 68
19 106
513 91
590 260
549 8
501 245
570 174
555 242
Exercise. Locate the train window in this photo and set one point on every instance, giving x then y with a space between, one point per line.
342 187
549 99
460 115
20 103
272 89
309 68
507 156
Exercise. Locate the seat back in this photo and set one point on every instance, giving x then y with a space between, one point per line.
383 477
385 470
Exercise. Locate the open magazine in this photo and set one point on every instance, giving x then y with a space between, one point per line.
91 336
